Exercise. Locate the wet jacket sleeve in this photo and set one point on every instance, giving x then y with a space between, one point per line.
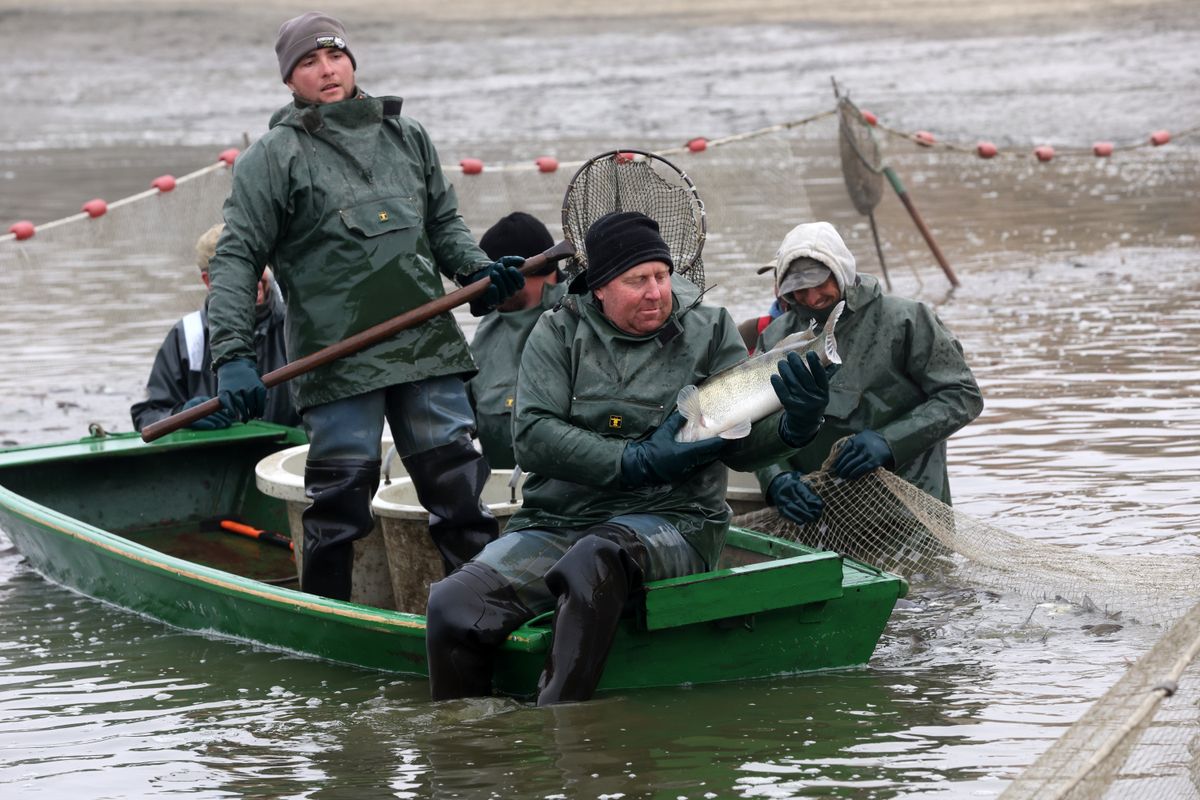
254 213
168 387
453 246
544 440
936 364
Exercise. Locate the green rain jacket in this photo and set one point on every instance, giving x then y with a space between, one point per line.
348 203
497 347
586 389
903 376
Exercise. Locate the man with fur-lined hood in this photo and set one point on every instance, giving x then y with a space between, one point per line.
903 388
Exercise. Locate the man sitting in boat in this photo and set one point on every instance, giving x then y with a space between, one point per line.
182 374
348 201
612 499
903 389
501 335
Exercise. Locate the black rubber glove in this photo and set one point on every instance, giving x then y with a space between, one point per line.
241 390
802 386
507 280
794 498
659 459
213 422
864 452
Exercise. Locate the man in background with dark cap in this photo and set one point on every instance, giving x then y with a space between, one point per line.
501 335
612 500
347 200
903 389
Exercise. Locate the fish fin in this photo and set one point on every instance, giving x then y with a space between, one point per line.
831 354
793 341
739 431
688 403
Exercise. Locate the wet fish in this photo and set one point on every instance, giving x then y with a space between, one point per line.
728 403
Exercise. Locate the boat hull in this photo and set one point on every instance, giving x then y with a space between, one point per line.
101 518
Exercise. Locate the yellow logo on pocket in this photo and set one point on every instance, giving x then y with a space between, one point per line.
508 402
614 421
383 217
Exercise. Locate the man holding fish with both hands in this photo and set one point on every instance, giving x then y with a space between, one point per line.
615 496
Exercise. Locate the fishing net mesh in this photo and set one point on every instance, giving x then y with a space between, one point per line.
1142 738
1139 740
862 164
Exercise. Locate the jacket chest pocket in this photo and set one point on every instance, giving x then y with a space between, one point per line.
616 416
842 402
382 216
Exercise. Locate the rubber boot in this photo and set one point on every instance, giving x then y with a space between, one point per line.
341 490
449 480
470 614
592 582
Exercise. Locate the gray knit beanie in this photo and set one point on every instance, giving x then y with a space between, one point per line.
305 33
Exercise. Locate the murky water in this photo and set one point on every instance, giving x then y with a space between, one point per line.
1078 311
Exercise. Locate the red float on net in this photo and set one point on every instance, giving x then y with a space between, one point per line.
164 183
868 117
986 150
547 164
698 145
925 138
1102 149
229 156
471 166
1160 137
95 208
624 158
1044 152
22 230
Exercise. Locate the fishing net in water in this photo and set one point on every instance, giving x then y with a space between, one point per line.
1142 739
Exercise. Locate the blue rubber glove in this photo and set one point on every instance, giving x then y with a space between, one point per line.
659 459
862 453
213 422
794 498
507 280
802 386
242 392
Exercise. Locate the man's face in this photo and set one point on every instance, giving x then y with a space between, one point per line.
820 297
638 301
324 75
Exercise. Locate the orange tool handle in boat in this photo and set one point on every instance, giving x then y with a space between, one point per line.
358 341
254 533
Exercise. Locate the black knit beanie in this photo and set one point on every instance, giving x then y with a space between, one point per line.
305 33
518 234
616 243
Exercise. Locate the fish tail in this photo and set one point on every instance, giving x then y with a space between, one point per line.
831 355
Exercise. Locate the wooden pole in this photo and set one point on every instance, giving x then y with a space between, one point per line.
894 180
358 341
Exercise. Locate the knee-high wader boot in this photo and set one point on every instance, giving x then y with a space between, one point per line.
449 480
341 490
592 582
470 614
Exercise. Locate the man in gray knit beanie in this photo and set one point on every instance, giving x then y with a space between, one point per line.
347 199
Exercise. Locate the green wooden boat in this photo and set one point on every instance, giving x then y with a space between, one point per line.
127 523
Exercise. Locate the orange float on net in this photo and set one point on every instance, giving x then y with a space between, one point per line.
868 117
1044 152
698 145
1102 149
547 164
471 166
1160 137
229 156
986 150
22 230
95 208
164 183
